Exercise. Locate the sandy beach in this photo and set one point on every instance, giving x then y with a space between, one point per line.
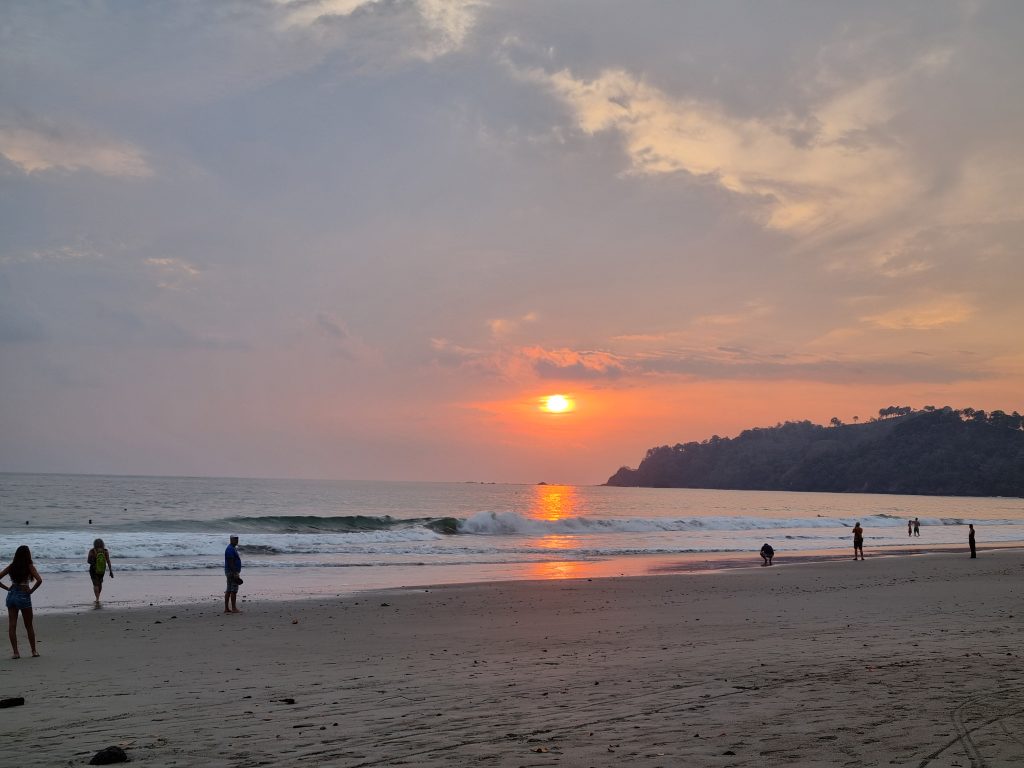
894 661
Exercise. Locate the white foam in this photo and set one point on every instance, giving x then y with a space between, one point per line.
511 523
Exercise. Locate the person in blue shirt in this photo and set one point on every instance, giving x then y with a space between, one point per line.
233 572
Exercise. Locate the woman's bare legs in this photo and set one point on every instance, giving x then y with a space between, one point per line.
26 614
12 630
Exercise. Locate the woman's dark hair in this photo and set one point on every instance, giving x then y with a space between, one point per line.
21 565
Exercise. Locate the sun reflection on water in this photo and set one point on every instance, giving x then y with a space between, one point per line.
554 502
559 569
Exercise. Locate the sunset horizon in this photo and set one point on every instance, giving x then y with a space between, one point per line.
354 239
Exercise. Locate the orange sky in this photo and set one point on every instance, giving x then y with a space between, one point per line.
356 239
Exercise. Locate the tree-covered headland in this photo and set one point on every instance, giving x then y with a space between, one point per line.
932 451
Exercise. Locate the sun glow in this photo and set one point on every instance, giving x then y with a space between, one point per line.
557 404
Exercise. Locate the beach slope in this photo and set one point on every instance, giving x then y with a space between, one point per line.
901 661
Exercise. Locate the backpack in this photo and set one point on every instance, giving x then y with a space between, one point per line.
101 561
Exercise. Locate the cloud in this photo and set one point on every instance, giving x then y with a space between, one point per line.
502 326
424 29
64 253
571 364
342 341
753 311
834 169
44 146
708 363
332 327
926 316
119 326
174 272
526 362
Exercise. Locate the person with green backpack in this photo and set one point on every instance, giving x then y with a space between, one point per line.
99 564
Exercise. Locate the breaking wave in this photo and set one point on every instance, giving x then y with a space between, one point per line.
510 523
489 523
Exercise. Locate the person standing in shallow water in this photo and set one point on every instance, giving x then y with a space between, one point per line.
19 597
910 527
233 573
917 527
99 565
858 541
970 541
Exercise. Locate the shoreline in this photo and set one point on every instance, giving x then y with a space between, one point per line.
905 661
72 592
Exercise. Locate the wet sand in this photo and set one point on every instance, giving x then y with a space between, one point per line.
893 661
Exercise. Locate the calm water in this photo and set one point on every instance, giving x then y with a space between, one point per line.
170 524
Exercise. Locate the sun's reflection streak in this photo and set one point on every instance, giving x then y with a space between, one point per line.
553 541
552 503
558 569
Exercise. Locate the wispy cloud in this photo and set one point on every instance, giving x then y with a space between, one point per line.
63 253
572 364
715 363
38 146
834 169
341 340
925 316
753 311
503 326
174 273
443 25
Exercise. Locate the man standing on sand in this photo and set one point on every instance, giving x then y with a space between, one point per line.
970 540
858 541
917 527
233 572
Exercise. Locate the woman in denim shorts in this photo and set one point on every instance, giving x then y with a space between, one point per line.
19 596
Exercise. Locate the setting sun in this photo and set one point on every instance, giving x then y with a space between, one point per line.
557 404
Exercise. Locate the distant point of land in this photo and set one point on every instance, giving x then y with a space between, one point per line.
932 451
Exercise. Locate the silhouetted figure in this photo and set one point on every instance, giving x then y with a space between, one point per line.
910 527
767 553
970 540
858 541
233 572
99 566
917 527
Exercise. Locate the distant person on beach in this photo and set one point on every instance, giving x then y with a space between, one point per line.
970 540
767 553
233 573
19 596
99 566
910 527
858 541
917 527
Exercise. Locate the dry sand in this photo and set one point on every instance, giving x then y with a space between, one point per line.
893 661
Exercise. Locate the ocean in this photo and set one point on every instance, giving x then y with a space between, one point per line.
312 537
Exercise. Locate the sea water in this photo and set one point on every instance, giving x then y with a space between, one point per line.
357 535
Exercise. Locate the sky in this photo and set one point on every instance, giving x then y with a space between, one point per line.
364 239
